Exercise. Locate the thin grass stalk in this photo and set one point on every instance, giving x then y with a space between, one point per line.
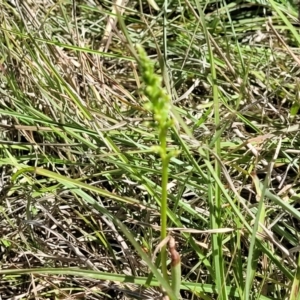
290 27
295 291
216 201
114 277
253 250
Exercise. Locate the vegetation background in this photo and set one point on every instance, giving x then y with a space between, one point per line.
83 177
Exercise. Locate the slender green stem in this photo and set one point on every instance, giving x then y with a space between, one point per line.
164 202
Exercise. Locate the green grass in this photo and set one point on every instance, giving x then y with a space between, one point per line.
109 155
